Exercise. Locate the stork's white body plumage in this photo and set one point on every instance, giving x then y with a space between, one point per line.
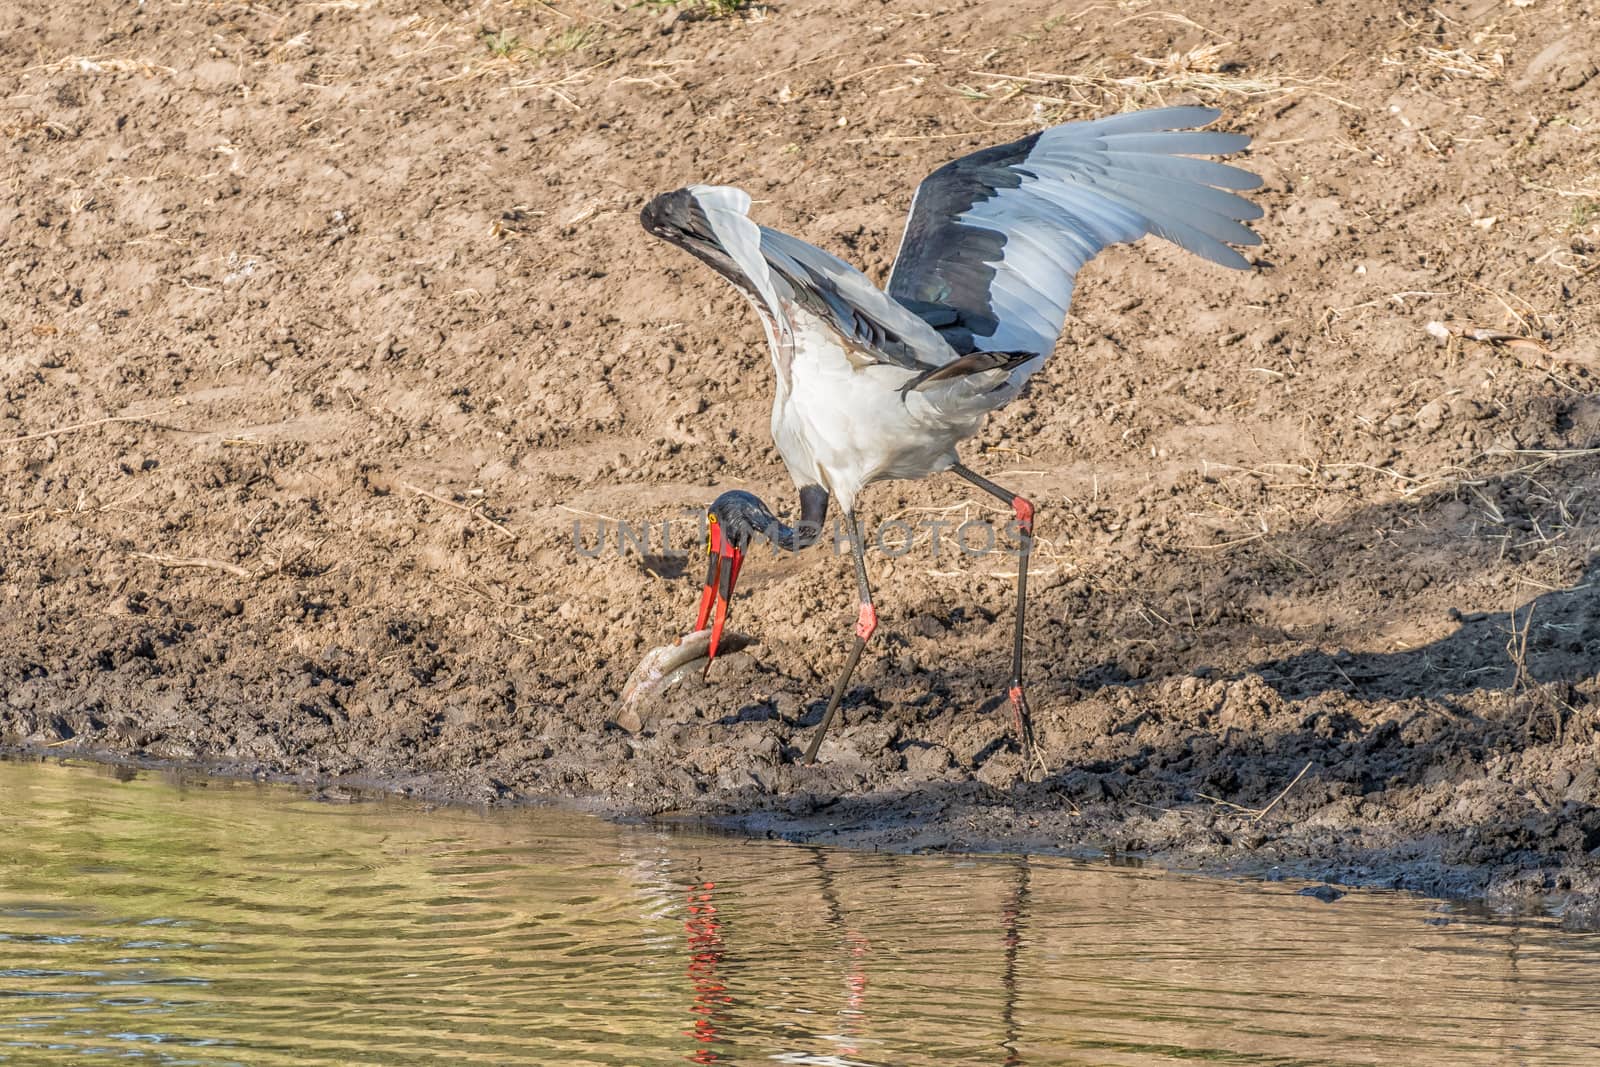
874 385
841 417
844 425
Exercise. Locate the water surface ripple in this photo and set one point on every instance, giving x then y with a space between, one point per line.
148 919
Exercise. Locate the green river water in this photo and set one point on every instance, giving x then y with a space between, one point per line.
150 919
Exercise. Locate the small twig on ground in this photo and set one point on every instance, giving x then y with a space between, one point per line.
1257 813
102 64
195 561
523 639
1517 651
1225 803
589 514
1443 331
76 426
1284 793
474 512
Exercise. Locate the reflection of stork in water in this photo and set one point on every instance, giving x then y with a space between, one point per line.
706 950
1014 922
854 1019
858 949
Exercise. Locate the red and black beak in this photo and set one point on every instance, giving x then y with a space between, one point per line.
722 570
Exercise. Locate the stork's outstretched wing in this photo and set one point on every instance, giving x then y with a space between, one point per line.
782 275
994 239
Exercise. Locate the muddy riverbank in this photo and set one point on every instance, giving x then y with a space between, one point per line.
324 324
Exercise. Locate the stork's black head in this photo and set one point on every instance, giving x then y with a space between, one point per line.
733 518
740 516
732 521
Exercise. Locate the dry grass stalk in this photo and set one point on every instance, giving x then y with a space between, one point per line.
104 65
559 87
75 427
198 562
1200 71
1285 792
1525 691
32 126
473 511
1454 476
614 520
1450 63
1256 814
501 55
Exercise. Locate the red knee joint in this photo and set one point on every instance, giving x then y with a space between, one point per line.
1024 512
1017 699
866 621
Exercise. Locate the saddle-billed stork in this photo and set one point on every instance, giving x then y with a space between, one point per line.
873 384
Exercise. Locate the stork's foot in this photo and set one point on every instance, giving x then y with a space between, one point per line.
1032 758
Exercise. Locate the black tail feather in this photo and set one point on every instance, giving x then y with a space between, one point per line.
971 363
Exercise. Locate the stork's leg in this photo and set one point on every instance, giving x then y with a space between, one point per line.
1023 510
866 622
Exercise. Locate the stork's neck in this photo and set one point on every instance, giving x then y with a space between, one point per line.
743 515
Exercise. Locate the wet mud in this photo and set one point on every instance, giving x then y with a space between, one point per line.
352 431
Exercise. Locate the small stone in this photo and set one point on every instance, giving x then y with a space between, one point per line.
1325 893
1430 416
926 760
1574 72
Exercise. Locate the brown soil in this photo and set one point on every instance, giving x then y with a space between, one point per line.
323 323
